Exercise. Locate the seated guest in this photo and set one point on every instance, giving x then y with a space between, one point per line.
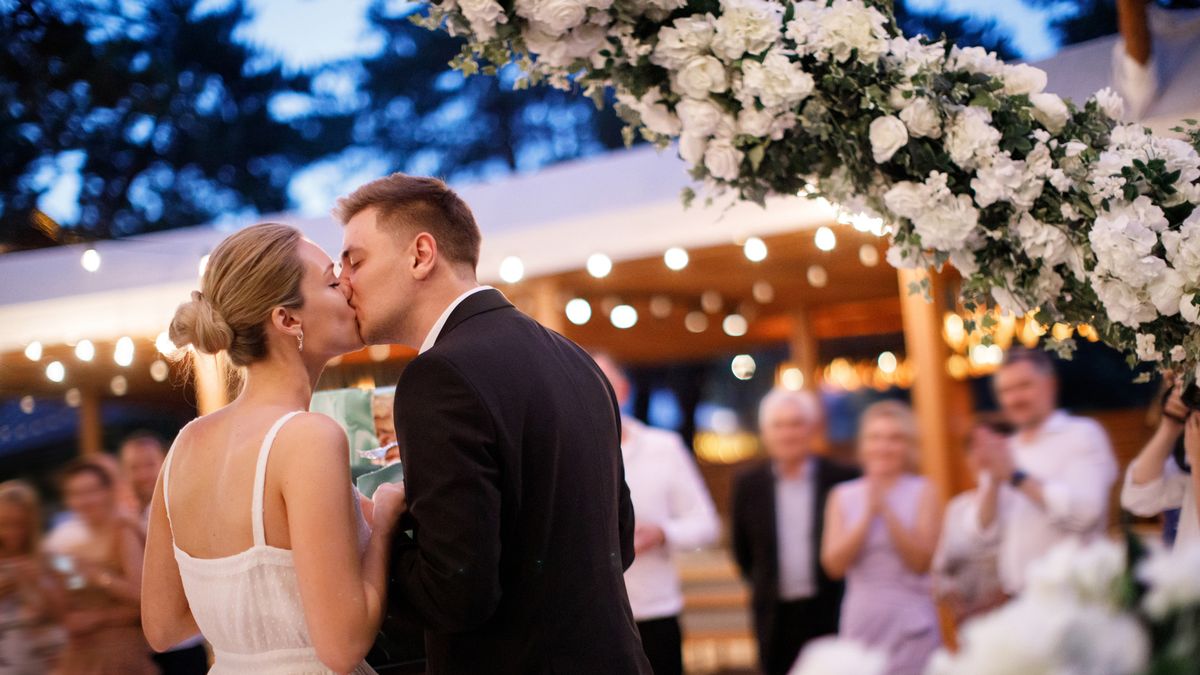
142 454
30 599
778 515
672 511
100 557
880 533
1051 482
965 574
1156 481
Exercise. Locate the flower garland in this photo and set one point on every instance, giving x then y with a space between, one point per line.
1041 204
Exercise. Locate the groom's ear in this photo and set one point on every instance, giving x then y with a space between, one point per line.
424 257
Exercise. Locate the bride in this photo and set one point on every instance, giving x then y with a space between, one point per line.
256 537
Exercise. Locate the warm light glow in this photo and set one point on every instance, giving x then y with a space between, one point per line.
887 363
73 397
33 351
623 316
159 370
1062 331
119 385
958 366
676 258
863 223
579 311
379 353
711 302
90 260
599 265
735 325
203 264
792 378
660 306
817 276
986 355
164 345
696 322
743 366
27 405
123 354
85 350
868 255
825 239
763 292
56 372
512 269
954 330
755 249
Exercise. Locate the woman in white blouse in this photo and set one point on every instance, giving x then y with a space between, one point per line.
1155 482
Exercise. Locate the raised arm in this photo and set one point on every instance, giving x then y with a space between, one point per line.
342 592
451 577
166 617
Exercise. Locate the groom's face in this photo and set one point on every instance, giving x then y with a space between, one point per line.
373 264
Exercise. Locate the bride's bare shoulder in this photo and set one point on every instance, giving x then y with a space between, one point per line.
310 433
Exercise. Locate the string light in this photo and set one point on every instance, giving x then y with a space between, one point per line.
696 322
164 345
825 239
512 269
623 316
868 255
119 385
817 276
599 265
743 366
90 260
763 292
55 371
33 351
85 350
123 354
735 325
159 370
755 249
660 306
792 378
579 311
675 258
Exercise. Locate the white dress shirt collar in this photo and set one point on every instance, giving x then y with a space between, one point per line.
434 332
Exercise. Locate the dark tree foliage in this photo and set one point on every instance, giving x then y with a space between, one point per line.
165 114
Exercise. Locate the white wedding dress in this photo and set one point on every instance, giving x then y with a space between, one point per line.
247 605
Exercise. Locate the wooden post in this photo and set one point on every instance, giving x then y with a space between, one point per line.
1131 20
803 347
212 385
91 424
942 406
546 304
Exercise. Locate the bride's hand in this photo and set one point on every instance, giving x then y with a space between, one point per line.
389 503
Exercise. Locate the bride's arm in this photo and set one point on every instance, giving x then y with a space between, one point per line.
166 617
342 593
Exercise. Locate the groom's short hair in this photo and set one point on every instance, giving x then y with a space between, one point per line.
411 204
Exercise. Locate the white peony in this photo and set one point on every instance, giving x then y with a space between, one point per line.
888 134
1050 110
835 656
484 16
922 118
1023 78
683 41
746 27
777 82
700 117
946 225
1111 103
843 28
722 160
971 137
699 77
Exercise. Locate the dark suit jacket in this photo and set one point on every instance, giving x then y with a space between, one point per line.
522 520
755 542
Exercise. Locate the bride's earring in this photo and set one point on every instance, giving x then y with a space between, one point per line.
300 339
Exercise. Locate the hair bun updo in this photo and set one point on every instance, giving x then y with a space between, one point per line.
199 324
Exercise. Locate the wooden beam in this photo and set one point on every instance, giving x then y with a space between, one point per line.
1131 20
879 316
91 424
803 347
546 304
942 406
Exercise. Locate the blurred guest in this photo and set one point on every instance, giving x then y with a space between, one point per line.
1155 482
778 518
142 454
29 598
1051 482
965 573
100 558
673 511
382 410
880 533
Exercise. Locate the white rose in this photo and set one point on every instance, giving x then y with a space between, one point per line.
557 16
1111 104
699 117
1023 79
906 199
947 225
682 41
777 82
549 49
1188 308
971 137
746 27
922 119
484 16
1166 291
722 160
888 134
692 148
1050 110
699 77
975 60
755 122
656 116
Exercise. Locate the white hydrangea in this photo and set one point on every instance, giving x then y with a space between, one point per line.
1048 243
1188 308
947 224
887 135
1183 246
912 55
746 27
1004 179
682 41
922 118
1124 303
833 656
655 10
971 138
699 77
1111 103
836 31
1166 291
1078 572
1172 580
777 82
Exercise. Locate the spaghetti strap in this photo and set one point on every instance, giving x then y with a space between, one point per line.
260 478
166 487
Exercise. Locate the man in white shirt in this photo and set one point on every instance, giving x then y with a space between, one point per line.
142 454
672 511
1051 483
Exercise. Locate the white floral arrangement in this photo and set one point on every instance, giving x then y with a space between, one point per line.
1041 204
1087 611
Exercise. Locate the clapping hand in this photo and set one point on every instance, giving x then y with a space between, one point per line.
647 536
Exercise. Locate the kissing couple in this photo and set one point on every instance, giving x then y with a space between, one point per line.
509 537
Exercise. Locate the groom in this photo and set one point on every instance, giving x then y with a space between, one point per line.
511 448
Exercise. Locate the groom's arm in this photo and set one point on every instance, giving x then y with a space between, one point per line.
451 577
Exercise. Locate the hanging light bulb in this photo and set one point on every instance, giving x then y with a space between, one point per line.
792 378
711 302
825 239
90 260
119 385
735 325
33 351
512 269
817 276
868 255
660 306
85 350
763 292
599 265
696 322
579 311
159 370
55 371
123 354
623 316
743 366
675 258
755 249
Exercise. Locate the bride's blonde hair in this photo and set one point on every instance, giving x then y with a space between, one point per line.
250 273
